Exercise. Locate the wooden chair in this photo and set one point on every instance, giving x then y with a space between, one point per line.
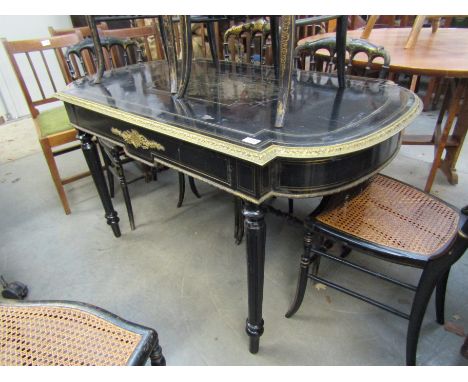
52 125
84 31
394 222
417 25
67 333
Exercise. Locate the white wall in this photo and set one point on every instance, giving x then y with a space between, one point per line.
22 28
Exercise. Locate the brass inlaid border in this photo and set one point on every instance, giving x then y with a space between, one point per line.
249 198
257 157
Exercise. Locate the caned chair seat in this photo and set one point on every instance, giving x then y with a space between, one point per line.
69 334
53 121
397 216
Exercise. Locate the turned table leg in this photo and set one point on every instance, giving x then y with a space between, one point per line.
92 159
255 234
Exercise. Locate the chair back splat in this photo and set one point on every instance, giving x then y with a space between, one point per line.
353 48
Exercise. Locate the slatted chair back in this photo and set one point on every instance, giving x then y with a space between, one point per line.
40 56
117 52
354 47
147 37
248 42
85 31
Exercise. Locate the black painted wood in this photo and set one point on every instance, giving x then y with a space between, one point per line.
228 104
255 235
92 159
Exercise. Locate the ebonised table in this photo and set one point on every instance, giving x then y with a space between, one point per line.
222 132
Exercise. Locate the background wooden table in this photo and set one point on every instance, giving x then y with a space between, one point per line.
443 54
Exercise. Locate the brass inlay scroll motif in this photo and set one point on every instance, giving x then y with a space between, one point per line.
134 138
286 22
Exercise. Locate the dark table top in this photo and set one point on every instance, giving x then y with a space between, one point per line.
236 108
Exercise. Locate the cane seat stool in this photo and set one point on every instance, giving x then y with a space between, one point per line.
394 222
65 333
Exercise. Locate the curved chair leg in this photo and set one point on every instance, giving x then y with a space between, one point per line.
193 187
238 220
181 189
345 251
110 176
236 216
154 173
124 186
291 206
440 297
156 356
424 291
303 272
240 232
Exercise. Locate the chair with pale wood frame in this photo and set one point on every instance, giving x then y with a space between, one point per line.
52 125
415 30
85 31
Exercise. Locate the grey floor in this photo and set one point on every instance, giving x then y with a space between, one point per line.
181 273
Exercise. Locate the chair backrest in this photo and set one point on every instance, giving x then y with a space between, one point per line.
248 41
145 36
40 56
353 47
117 52
85 31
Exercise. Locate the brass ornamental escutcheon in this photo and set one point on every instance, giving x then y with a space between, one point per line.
137 140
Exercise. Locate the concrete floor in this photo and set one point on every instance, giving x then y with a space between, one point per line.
181 273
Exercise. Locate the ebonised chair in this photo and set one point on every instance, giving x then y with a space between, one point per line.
310 57
121 48
394 222
67 333
327 62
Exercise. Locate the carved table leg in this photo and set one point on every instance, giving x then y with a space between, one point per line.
255 233
94 164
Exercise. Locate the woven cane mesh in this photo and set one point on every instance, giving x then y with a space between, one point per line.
395 215
61 336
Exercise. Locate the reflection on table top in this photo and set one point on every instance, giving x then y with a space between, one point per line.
444 53
239 102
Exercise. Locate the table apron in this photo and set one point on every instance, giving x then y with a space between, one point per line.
288 177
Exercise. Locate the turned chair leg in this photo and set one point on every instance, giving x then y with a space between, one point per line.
303 272
181 189
440 297
424 291
291 206
156 356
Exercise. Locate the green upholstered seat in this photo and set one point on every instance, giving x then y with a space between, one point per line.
53 121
